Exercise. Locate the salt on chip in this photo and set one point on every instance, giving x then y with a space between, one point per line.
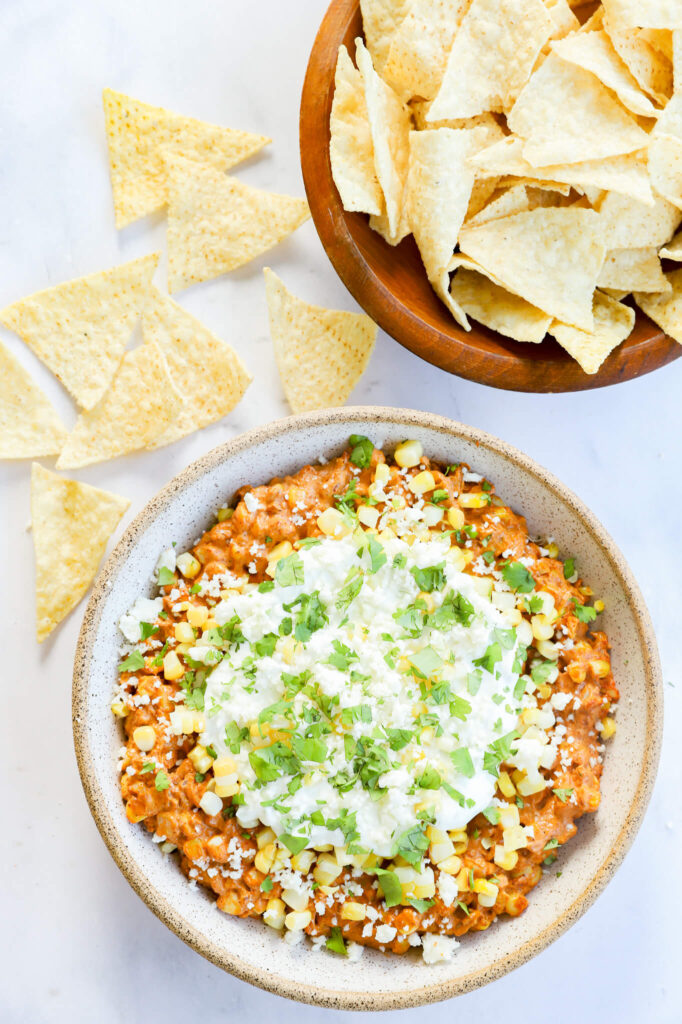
71 524
550 257
351 150
665 167
380 20
389 122
673 250
216 223
139 407
498 309
665 310
626 175
628 224
594 52
613 323
568 116
29 426
80 329
492 57
139 134
420 46
633 270
644 13
208 373
650 68
321 353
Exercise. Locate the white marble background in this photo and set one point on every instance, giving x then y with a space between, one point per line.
78 945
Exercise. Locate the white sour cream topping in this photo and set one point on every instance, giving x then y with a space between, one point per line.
382 694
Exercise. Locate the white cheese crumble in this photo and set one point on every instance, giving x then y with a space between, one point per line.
437 948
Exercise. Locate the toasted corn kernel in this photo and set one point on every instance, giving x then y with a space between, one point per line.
474 499
265 858
577 672
194 849
200 758
353 911
120 709
188 565
144 737
600 668
542 627
408 454
303 861
514 838
547 649
608 728
599 606
172 667
487 892
296 921
553 550
226 766
274 914
451 866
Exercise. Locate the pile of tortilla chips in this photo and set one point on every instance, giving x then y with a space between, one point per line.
533 148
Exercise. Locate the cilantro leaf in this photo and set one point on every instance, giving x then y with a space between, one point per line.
569 568
516 576
426 661
584 612
336 942
309 749
147 629
429 779
351 588
132 663
412 845
463 763
266 884
377 555
563 794
266 645
421 906
431 578
389 886
165 577
491 657
289 571
161 781
361 450
293 843
398 738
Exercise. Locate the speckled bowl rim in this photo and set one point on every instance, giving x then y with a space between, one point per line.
229 961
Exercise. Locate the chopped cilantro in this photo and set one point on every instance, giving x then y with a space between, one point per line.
336 943
398 738
431 578
293 843
161 781
289 571
377 555
517 577
491 657
166 578
563 794
147 629
148 766
265 586
463 763
351 588
584 612
426 661
569 568
412 845
132 663
421 906
389 886
361 450
234 736
498 751
266 884
266 645
341 657
429 779
492 814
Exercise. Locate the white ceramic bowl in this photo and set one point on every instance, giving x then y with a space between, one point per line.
250 950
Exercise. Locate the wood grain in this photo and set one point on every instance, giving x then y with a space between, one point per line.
390 283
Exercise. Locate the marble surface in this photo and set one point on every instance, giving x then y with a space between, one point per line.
79 945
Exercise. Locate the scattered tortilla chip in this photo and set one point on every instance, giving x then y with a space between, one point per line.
321 353
615 293
139 134
484 189
419 49
389 122
594 52
665 310
351 150
380 20
551 258
628 224
498 309
493 133
139 406
80 329
670 121
633 270
613 322
217 223
673 250
208 374
665 167
644 13
510 201
492 57
568 116
626 175
563 17
381 226
29 426
650 68
72 523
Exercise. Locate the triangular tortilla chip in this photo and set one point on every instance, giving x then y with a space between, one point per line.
208 374
613 323
665 310
389 122
652 71
627 175
72 523
510 201
677 60
673 250
633 270
29 426
351 150
550 257
628 224
321 353
493 133
419 48
568 116
138 134
670 121
217 223
498 309
80 329
492 57
563 17
594 52
665 167
139 406
644 13
380 20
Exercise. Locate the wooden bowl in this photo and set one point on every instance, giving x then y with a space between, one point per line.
391 285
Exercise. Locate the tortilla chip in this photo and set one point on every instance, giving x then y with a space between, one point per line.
551 258
613 323
670 121
389 122
628 224
615 293
563 17
506 204
208 374
677 60
80 329
351 150
665 167
627 175
139 134
380 20
29 426
419 49
482 192
498 309
644 13
217 223
72 523
493 133
492 57
321 353
633 270
381 226
651 70
594 52
139 406
665 310
595 22
673 250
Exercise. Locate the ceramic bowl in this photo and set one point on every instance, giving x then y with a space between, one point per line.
249 949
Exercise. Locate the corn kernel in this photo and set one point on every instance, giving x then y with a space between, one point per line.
441 850
506 786
265 858
211 803
197 615
303 861
505 859
509 816
368 516
600 668
264 837
296 921
544 691
474 499
408 454
295 898
528 787
144 737
514 838
382 474
188 565
542 627
224 513
172 667
552 550
343 858
547 649
451 866
120 709
184 632
200 758
432 515
279 551
332 523
456 518
422 483
577 672
353 911
274 914
225 766
194 849
599 606
487 892
327 870
227 786
608 728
